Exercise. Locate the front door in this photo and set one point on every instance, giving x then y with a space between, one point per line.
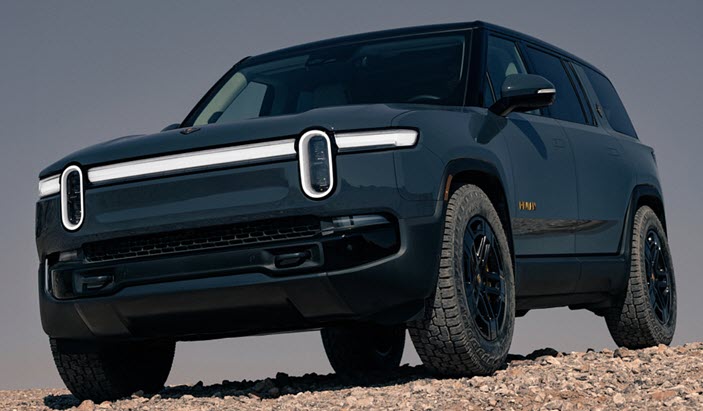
544 176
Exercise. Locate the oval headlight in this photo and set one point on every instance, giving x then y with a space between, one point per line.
316 170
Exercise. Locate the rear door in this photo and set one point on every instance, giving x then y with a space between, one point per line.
542 162
603 177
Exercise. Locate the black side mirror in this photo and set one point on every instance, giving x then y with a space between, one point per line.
524 92
172 127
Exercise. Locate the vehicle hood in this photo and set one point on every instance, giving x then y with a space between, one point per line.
218 135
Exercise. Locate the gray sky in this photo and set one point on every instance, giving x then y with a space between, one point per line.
75 73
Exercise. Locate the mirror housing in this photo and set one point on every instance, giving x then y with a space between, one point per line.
524 92
172 127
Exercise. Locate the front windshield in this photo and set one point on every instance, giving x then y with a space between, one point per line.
426 70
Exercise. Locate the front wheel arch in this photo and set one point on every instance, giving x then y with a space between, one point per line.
487 177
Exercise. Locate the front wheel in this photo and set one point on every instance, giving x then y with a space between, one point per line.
645 314
468 328
101 372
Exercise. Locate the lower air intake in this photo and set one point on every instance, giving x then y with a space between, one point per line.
236 235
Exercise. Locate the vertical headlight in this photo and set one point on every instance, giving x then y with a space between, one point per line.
72 210
316 170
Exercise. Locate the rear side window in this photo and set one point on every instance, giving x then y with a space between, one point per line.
609 103
566 105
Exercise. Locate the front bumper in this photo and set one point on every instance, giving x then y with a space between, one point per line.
240 291
201 296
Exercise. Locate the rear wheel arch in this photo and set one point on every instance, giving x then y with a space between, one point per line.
642 195
651 197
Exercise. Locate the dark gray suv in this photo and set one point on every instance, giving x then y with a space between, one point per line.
440 179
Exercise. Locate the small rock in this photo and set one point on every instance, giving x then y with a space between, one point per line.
282 379
542 352
366 401
544 360
663 395
264 385
187 397
86 405
618 399
674 401
623 352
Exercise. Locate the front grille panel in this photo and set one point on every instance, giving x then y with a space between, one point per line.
236 235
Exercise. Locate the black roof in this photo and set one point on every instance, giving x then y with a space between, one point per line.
400 32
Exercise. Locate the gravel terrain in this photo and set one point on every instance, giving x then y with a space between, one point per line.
653 378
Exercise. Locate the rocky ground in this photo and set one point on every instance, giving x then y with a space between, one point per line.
653 378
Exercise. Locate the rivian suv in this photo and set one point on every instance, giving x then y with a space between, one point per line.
442 180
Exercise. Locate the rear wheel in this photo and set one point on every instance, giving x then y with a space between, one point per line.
101 372
468 328
645 315
363 348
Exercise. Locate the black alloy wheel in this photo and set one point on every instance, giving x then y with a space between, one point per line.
484 278
658 277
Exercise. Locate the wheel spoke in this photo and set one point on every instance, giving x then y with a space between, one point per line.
655 258
492 276
648 251
493 328
492 290
652 296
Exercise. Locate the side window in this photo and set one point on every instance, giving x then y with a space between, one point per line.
610 104
566 105
503 59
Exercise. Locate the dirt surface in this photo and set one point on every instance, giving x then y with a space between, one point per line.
652 378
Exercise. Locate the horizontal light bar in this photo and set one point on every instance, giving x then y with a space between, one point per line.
49 186
375 139
192 160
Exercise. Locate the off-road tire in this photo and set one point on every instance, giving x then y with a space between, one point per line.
447 338
111 371
632 322
359 349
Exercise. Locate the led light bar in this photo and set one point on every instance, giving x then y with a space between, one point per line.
193 160
50 185
376 139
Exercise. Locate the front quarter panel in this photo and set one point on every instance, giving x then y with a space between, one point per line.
452 140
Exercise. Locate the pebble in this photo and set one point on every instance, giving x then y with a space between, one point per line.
621 379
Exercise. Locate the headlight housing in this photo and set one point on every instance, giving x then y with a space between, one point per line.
315 164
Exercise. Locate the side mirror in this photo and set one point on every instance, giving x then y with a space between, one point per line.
172 127
524 92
